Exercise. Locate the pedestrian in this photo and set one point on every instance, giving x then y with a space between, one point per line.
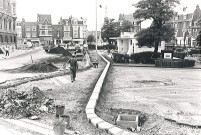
73 67
7 51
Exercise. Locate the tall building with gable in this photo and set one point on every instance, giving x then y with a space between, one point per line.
8 35
132 20
187 26
45 27
74 30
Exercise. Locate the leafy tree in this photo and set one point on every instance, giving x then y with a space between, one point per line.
91 38
160 12
126 26
148 36
110 29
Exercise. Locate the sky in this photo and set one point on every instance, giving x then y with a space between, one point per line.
28 9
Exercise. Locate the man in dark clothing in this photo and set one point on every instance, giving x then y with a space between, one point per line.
73 67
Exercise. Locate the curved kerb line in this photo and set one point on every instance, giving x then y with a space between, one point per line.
91 105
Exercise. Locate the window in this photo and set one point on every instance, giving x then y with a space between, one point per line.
184 17
43 32
1 39
11 39
176 18
33 28
5 24
27 28
122 41
10 25
130 42
1 23
34 34
28 34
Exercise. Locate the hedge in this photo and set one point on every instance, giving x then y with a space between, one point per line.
180 55
144 57
195 51
120 58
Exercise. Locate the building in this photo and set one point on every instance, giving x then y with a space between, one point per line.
74 30
45 27
19 33
31 32
132 20
57 34
187 26
8 35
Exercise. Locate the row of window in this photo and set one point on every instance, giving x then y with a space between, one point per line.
7 24
30 28
7 39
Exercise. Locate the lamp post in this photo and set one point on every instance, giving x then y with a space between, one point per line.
96 34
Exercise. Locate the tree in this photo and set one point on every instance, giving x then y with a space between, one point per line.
148 36
126 26
91 38
110 29
160 12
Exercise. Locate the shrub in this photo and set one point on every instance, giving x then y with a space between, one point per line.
195 51
144 57
120 58
188 63
180 55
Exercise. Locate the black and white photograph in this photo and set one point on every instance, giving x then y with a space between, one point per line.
100 67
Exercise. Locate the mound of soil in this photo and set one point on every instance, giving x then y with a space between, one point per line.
15 104
40 67
60 50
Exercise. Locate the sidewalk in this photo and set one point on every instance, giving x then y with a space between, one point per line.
17 53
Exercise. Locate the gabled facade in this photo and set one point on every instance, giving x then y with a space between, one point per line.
57 34
8 35
45 27
187 27
74 30
132 20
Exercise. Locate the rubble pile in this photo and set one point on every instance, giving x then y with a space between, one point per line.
15 104
60 50
41 67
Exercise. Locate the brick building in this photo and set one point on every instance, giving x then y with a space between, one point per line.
57 34
31 32
45 27
8 35
74 30
187 26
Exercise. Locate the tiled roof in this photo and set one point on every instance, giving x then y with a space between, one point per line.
44 18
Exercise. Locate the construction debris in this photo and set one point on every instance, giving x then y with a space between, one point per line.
31 103
40 67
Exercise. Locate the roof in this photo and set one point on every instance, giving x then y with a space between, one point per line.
44 18
128 17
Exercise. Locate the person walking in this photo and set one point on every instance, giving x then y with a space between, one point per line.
73 67
7 51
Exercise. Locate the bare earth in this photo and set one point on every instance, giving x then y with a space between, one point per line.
159 93
73 95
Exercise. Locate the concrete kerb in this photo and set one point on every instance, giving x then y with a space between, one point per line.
90 108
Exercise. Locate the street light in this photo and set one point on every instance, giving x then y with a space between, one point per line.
96 33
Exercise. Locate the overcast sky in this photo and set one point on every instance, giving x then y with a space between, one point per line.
84 8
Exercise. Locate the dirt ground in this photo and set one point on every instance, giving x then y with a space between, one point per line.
73 95
154 94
